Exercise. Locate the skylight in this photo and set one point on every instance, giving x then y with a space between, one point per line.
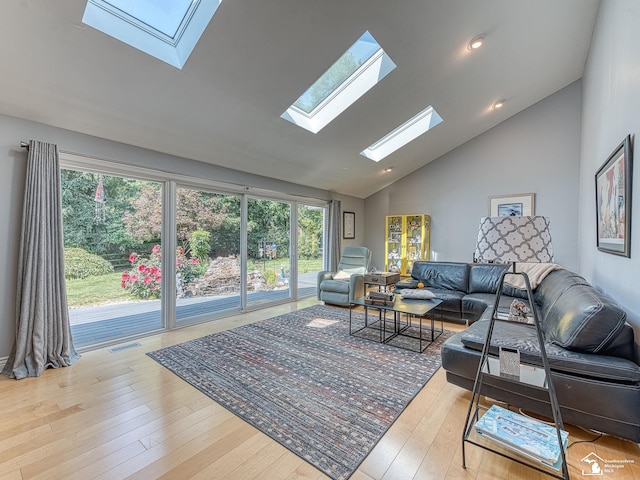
408 131
362 66
165 29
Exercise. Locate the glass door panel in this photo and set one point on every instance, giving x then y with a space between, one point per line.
207 257
113 262
310 241
268 251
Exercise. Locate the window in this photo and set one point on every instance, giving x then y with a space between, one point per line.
208 260
167 30
361 67
398 138
131 234
113 256
268 251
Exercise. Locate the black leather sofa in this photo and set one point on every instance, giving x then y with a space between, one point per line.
588 342
465 289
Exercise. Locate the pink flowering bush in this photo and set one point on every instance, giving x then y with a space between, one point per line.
188 268
144 279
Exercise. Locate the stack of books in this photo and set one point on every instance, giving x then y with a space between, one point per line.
379 298
531 438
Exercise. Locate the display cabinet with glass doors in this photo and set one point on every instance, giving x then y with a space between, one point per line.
407 240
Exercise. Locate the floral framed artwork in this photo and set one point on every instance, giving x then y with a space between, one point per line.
514 205
348 225
613 201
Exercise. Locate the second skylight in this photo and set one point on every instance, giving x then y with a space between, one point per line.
362 66
398 138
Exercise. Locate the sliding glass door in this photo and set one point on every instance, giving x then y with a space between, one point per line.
310 248
131 235
208 268
113 262
268 251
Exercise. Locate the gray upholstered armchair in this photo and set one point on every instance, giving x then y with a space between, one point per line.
347 283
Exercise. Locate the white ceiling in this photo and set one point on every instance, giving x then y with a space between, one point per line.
256 57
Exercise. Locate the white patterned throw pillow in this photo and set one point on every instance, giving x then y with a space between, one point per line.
420 293
341 275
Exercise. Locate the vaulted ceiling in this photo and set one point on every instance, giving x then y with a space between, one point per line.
256 57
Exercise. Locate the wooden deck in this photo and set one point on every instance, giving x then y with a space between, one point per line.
126 324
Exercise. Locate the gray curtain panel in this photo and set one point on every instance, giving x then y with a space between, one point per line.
334 242
43 334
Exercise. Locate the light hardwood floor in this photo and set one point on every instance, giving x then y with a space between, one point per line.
121 415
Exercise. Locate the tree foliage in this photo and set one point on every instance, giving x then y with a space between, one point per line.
81 228
194 210
144 220
309 232
268 224
329 81
133 218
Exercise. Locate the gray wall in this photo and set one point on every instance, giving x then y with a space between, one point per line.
13 130
536 150
356 205
611 110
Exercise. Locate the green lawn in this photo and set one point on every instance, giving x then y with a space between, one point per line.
96 290
305 266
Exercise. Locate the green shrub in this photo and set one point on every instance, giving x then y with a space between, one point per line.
270 278
78 263
199 244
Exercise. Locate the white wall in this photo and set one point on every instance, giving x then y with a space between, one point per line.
611 110
536 150
13 161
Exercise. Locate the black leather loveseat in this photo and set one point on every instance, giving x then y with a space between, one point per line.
589 344
465 289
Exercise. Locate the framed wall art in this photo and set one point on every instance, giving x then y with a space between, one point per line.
613 201
348 225
514 205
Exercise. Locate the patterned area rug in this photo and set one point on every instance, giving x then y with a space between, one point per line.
305 382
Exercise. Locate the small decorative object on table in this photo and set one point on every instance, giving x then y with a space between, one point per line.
509 363
518 312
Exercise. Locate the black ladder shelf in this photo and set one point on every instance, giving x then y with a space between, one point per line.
547 384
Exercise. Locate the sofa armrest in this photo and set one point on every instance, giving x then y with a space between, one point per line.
323 275
356 286
406 283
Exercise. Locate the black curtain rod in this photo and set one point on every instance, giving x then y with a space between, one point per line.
24 145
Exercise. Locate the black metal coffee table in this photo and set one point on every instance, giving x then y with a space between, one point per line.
412 327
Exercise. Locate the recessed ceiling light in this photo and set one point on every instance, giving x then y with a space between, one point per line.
388 169
476 43
498 104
